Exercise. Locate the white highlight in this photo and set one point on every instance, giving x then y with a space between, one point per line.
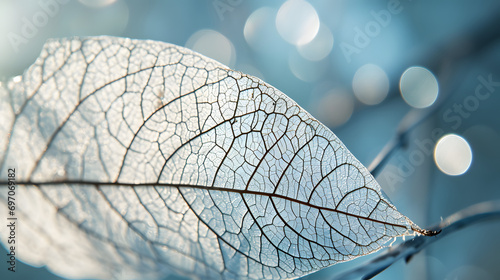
419 87
370 84
319 47
214 45
297 22
453 155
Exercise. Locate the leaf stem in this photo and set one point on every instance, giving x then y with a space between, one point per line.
464 218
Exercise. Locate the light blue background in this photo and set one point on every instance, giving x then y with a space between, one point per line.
438 35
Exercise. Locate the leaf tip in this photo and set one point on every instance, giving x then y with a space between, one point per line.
426 232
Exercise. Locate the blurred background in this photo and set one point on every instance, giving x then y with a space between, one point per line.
368 70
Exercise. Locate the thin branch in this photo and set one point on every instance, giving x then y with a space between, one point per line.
478 39
410 121
464 218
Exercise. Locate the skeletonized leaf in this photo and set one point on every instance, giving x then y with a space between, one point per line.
140 158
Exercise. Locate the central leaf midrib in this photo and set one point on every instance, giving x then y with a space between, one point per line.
243 192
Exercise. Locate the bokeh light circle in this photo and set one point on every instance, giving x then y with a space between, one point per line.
453 155
335 108
297 22
469 272
307 70
419 87
108 17
370 84
319 47
97 3
257 32
214 45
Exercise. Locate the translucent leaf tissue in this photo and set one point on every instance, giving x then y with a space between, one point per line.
139 159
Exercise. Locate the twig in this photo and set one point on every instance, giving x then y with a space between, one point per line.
464 218
482 36
410 121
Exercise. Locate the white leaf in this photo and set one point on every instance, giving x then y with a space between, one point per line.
141 158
